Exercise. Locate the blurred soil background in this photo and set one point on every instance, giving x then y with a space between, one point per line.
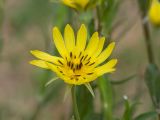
27 25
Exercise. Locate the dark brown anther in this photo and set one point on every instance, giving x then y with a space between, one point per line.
80 54
84 78
77 75
85 57
89 73
60 71
74 57
80 65
71 54
77 66
76 79
71 65
60 62
66 59
91 64
87 63
89 58
81 58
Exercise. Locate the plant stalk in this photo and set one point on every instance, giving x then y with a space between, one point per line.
75 107
148 43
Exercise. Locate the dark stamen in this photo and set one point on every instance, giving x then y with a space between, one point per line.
87 63
91 64
74 57
84 78
85 57
71 65
71 54
66 59
76 79
77 66
81 58
89 58
89 73
77 75
60 62
60 71
80 65
80 54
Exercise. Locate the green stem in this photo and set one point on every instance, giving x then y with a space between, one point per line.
148 43
107 97
36 112
103 83
75 107
147 36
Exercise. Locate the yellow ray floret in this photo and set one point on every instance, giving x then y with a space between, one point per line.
154 12
76 3
78 64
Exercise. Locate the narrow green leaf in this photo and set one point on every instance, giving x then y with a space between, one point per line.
118 82
152 78
146 116
88 86
129 109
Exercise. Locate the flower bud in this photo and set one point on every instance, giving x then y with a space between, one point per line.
154 13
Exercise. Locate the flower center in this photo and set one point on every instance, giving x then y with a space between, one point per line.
76 66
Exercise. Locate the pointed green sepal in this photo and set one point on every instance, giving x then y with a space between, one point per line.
52 80
88 86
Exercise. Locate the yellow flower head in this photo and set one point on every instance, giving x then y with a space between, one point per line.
76 3
154 12
78 64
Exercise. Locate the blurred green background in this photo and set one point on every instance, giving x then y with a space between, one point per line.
27 24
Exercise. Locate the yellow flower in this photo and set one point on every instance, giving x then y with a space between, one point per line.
76 3
154 12
78 64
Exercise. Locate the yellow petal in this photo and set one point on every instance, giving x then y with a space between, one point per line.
100 47
106 53
59 43
69 38
59 74
81 38
82 3
46 57
93 43
69 3
52 67
108 67
39 63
